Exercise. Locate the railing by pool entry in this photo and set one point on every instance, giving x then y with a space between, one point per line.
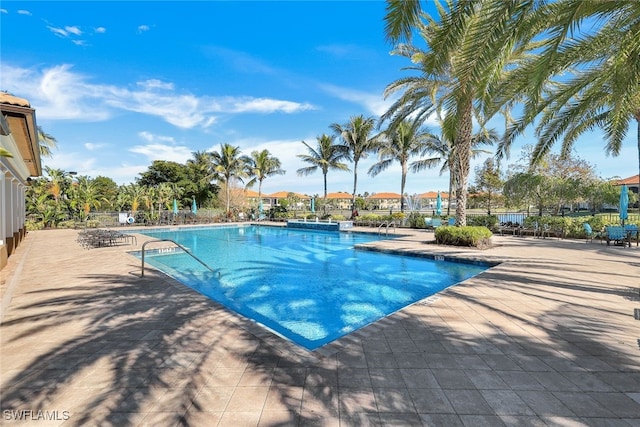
387 224
164 250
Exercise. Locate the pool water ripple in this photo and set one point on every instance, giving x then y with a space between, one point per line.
310 287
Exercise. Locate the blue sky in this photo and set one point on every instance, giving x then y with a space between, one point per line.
120 84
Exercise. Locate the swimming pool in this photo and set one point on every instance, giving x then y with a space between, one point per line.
311 287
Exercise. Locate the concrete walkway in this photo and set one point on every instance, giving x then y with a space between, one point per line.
548 337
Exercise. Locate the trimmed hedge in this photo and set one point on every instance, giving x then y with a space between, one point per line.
473 236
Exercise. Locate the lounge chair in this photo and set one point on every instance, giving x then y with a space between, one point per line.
436 222
588 231
617 235
452 221
632 233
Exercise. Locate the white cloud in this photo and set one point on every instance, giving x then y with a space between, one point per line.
149 137
60 93
155 84
265 105
100 30
73 30
24 12
374 103
60 32
4 11
153 152
143 28
91 146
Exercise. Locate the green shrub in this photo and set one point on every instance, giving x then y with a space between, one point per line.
479 237
415 220
489 221
33 225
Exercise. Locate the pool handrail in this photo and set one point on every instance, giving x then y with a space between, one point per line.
387 224
178 245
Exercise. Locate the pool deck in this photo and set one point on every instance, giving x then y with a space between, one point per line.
546 338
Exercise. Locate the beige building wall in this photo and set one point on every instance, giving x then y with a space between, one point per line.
19 161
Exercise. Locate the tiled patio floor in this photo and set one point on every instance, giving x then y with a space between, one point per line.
548 337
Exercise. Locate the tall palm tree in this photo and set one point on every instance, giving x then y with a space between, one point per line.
228 164
262 166
399 144
583 83
326 156
356 136
471 45
46 143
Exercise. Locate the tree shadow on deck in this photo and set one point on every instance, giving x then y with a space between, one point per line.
153 351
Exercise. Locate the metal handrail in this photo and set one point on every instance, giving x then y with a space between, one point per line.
387 224
178 245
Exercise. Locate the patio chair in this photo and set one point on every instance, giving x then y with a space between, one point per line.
436 222
452 221
617 235
632 233
590 233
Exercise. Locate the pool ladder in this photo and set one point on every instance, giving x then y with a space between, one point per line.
178 245
387 224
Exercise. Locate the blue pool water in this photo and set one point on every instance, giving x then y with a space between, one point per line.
308 286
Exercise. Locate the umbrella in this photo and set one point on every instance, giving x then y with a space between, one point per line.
194 207
175 207
624 203
439 204
313 205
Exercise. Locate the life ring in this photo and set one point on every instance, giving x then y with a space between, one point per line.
131 220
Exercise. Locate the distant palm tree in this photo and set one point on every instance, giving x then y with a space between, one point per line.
356 136
201 170
262 166
399 144
325 157
229 164
46 143
442 150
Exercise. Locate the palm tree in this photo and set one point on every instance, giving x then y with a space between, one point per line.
471 45
442 150
228 164
86 196
600 77
325 157
201 170
135 195
355 136
46 143
399 144
262 166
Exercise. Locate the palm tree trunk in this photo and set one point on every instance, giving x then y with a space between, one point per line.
355 185
324 207
450 193
463 154
403 181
